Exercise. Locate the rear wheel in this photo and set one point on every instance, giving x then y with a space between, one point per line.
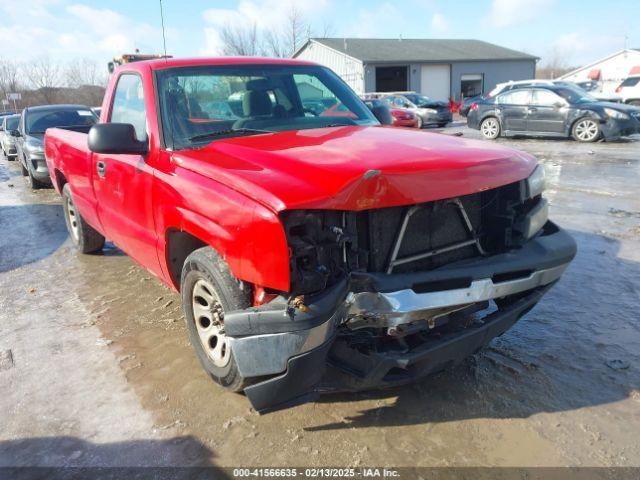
490 128
208 291
586 130
84 237
442 125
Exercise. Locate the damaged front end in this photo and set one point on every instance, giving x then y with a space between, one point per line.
384 296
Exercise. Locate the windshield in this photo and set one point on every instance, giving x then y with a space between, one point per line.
39 120
11 123
574 94
201 104
417 99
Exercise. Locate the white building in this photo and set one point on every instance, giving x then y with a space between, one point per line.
610 71
440 69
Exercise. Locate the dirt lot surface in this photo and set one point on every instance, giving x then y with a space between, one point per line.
96 368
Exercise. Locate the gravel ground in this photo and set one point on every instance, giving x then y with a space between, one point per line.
96 369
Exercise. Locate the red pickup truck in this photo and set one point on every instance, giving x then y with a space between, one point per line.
312 252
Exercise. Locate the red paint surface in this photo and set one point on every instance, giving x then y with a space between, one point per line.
229 193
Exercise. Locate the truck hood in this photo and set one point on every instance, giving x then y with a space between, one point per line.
355 168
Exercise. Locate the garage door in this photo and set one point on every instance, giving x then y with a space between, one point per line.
435 81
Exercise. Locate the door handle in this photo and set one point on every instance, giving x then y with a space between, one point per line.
532 110
101 167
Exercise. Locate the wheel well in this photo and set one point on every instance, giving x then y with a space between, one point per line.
180 244
60 179
491 115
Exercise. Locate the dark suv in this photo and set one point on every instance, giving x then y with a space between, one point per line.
34 121
552 111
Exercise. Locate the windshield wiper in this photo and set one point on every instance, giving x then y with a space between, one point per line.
230 131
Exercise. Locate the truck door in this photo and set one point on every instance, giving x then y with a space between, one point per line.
512 108
123 183
547 112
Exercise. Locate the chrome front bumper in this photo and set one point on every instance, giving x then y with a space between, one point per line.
289 348
388 310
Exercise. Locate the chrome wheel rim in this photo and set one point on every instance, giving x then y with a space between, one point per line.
73 220
490 128
208 316
586 130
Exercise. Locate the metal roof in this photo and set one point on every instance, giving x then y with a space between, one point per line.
373 50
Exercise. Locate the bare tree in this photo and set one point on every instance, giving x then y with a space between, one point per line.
84 71
554 65
238 40
285 41
9 77
44 76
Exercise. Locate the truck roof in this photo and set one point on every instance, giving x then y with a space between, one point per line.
163 63
61 106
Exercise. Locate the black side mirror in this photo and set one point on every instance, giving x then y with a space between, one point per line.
15 133
115 138
382 113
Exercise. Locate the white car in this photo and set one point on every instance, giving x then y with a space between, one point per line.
629 90
505 87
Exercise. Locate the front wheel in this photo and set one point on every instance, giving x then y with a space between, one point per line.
208 291
586 130
490 128
23 169
84 237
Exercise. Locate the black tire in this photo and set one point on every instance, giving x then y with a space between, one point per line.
586 130
490 128
23 169
205 267
83 236
442 125
33 183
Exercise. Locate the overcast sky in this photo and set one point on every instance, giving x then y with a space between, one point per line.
582 30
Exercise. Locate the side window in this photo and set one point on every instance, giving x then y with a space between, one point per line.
128 104
515 97
545 98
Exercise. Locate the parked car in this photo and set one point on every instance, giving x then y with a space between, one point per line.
293 239
403 117
505 87
629 90
467 102
8 129
429 112
398 117
380 110
552 111
590 85
34 121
